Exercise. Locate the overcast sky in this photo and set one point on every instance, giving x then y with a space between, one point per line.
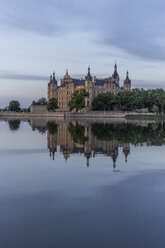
39 36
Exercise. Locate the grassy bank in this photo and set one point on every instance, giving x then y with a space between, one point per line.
146 117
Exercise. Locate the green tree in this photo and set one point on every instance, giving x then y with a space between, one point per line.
126 101
42 101
104 101
77 101
52 104
163 105
14 106
155 109
140 97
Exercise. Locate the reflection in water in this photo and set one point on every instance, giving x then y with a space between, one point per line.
92 139
53 204
80 137
14 125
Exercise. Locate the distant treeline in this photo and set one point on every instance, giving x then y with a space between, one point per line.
152 99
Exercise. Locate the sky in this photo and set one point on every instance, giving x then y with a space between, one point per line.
39 36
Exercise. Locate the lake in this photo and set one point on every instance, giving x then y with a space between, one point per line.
82 184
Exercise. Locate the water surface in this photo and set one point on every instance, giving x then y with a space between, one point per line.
81 184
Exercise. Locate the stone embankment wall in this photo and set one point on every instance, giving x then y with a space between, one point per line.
93 114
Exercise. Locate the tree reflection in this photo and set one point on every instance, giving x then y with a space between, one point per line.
14 125
78 133
152 134
52 128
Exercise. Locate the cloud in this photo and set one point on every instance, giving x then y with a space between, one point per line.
148 84
137 27
47 18
16 76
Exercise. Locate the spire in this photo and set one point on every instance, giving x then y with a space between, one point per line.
66 71
115 74
115 67
127 80
89 77
54 75
127 75
53 78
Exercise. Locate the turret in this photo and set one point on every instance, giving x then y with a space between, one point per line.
115 74
127 82
52 87
54 78
88 77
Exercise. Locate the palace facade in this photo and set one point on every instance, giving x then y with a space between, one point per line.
93 85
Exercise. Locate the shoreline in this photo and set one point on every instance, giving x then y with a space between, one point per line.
95 116
65 115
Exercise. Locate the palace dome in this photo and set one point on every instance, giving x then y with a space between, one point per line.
67 77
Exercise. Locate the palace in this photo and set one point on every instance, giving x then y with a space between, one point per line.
91 84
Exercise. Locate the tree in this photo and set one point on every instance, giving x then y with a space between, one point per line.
163 106
126 101
104 101
52 104
42 101
77 101
14 106
25 110
155 109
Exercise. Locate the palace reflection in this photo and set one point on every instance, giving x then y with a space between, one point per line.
92 138
78 138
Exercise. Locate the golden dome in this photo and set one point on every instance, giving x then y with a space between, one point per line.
67 77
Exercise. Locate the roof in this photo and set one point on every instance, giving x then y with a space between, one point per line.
127 80
54 81
115 84
64 84
115 74
78 82
100 82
